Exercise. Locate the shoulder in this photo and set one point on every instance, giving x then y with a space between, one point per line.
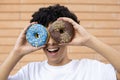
33 66
100 69
95 66
94 63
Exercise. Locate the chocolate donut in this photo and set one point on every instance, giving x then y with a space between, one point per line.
62 31
37 35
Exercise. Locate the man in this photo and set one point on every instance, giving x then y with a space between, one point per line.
60 66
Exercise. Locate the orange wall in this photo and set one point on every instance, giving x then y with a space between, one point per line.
99 17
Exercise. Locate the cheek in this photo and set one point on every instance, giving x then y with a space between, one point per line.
44 50
63 52
63 49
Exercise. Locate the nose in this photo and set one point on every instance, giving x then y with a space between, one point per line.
51 41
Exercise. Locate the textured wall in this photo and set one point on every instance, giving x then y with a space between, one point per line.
99 17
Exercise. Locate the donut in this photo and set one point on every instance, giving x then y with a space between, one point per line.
61 31
37 35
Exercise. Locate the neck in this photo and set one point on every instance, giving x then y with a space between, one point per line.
60 62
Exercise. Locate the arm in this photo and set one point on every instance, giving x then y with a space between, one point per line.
84 38
106 51
20 49
7 66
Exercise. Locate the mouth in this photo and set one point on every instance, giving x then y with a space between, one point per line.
53 51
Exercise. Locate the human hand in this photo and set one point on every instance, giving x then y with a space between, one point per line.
22 47
81 35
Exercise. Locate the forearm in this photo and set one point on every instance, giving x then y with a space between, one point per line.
106 51
8 65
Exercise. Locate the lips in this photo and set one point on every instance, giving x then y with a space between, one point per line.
53 51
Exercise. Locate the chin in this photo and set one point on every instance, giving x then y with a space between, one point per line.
55 54
56 62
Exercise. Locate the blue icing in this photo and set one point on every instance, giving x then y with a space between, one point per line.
42 35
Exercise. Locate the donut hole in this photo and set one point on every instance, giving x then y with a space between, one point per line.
36 35
61 31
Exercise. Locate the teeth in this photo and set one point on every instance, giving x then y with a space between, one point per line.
53 49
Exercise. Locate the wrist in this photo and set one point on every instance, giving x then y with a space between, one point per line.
91 42
16 54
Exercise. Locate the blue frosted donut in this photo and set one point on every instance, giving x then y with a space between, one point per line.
37 35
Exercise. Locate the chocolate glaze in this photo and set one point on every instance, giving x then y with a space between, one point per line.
62 31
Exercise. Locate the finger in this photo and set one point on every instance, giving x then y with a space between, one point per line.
60 44
75 25
80 43
41 47
23 33
26 28
37 48
66 19
34 23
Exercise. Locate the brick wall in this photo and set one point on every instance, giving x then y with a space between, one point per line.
99 17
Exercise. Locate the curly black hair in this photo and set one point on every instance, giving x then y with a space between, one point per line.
49 14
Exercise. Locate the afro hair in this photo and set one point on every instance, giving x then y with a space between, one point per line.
49 14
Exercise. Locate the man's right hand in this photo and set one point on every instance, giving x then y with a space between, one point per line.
22 47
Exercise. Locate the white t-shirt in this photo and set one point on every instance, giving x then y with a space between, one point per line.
84 69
